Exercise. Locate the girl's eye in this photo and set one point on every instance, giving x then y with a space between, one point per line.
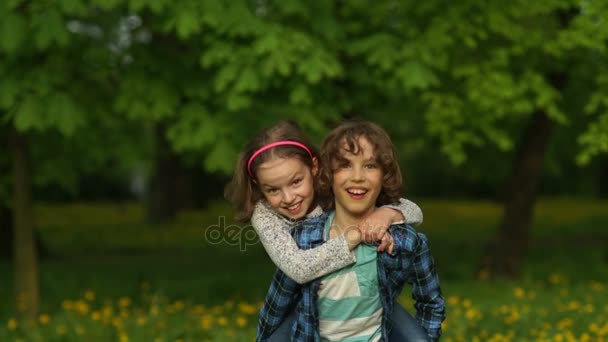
344 165
271 191
371 166
297 181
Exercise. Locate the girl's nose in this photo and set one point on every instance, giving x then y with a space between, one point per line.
288 197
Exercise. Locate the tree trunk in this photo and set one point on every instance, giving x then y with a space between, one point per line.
25 258
162 196
6 232
504 255
603 178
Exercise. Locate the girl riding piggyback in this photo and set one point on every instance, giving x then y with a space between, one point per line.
273 187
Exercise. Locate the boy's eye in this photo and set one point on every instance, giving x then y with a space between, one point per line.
344 165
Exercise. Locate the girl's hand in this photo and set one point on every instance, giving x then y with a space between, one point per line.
374 227
387 244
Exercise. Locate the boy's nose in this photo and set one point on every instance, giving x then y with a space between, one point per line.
357 175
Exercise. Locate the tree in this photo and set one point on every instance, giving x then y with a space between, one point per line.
45 99
496 75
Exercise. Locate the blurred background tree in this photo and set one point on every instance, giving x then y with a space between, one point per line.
153 99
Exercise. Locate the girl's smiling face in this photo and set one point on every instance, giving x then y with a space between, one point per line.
288 185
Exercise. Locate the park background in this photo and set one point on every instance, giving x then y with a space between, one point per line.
121 121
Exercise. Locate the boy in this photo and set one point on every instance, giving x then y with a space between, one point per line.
359 171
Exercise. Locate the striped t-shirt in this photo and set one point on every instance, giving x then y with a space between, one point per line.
349 303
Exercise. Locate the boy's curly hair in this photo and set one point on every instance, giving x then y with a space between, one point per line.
345 138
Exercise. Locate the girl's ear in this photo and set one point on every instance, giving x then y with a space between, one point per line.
315 166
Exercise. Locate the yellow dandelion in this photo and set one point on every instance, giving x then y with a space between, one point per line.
124 314
67 305
44 319
80 330
564 324
124 302
230 333
467 303
12 324
141 321
222 321
241 321
574 305
61 329
154 310
197 309
556 278
247 309
519 292
82 307
206 322
453 300
124 337
108 312
117 322
596 286
179 305
89 295
96 316
558 338
471 314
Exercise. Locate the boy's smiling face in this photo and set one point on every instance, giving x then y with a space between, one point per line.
357 181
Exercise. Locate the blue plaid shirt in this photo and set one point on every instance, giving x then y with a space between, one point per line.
411 262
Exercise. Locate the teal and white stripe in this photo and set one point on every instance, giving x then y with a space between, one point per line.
349 303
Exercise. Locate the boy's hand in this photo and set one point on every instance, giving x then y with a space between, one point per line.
374 227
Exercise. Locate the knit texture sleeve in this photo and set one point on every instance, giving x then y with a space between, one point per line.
410 210
300 265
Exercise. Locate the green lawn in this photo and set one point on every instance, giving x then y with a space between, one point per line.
114 278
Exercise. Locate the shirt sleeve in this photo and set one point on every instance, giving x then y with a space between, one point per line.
283 295
429 301
300 265
410 210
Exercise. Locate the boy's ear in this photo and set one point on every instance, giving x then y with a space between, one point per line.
315 166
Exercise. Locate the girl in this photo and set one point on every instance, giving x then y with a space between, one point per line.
274 187
359 171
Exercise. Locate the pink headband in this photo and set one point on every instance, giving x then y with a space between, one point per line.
275 144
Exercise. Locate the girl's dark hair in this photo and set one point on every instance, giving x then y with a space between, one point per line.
243 191
345 138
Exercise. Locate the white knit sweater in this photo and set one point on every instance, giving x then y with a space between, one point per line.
306 265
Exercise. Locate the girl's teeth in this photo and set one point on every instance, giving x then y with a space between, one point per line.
357 192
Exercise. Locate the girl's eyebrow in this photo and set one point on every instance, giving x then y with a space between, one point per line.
290 178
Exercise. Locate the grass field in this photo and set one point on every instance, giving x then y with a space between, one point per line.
112 278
